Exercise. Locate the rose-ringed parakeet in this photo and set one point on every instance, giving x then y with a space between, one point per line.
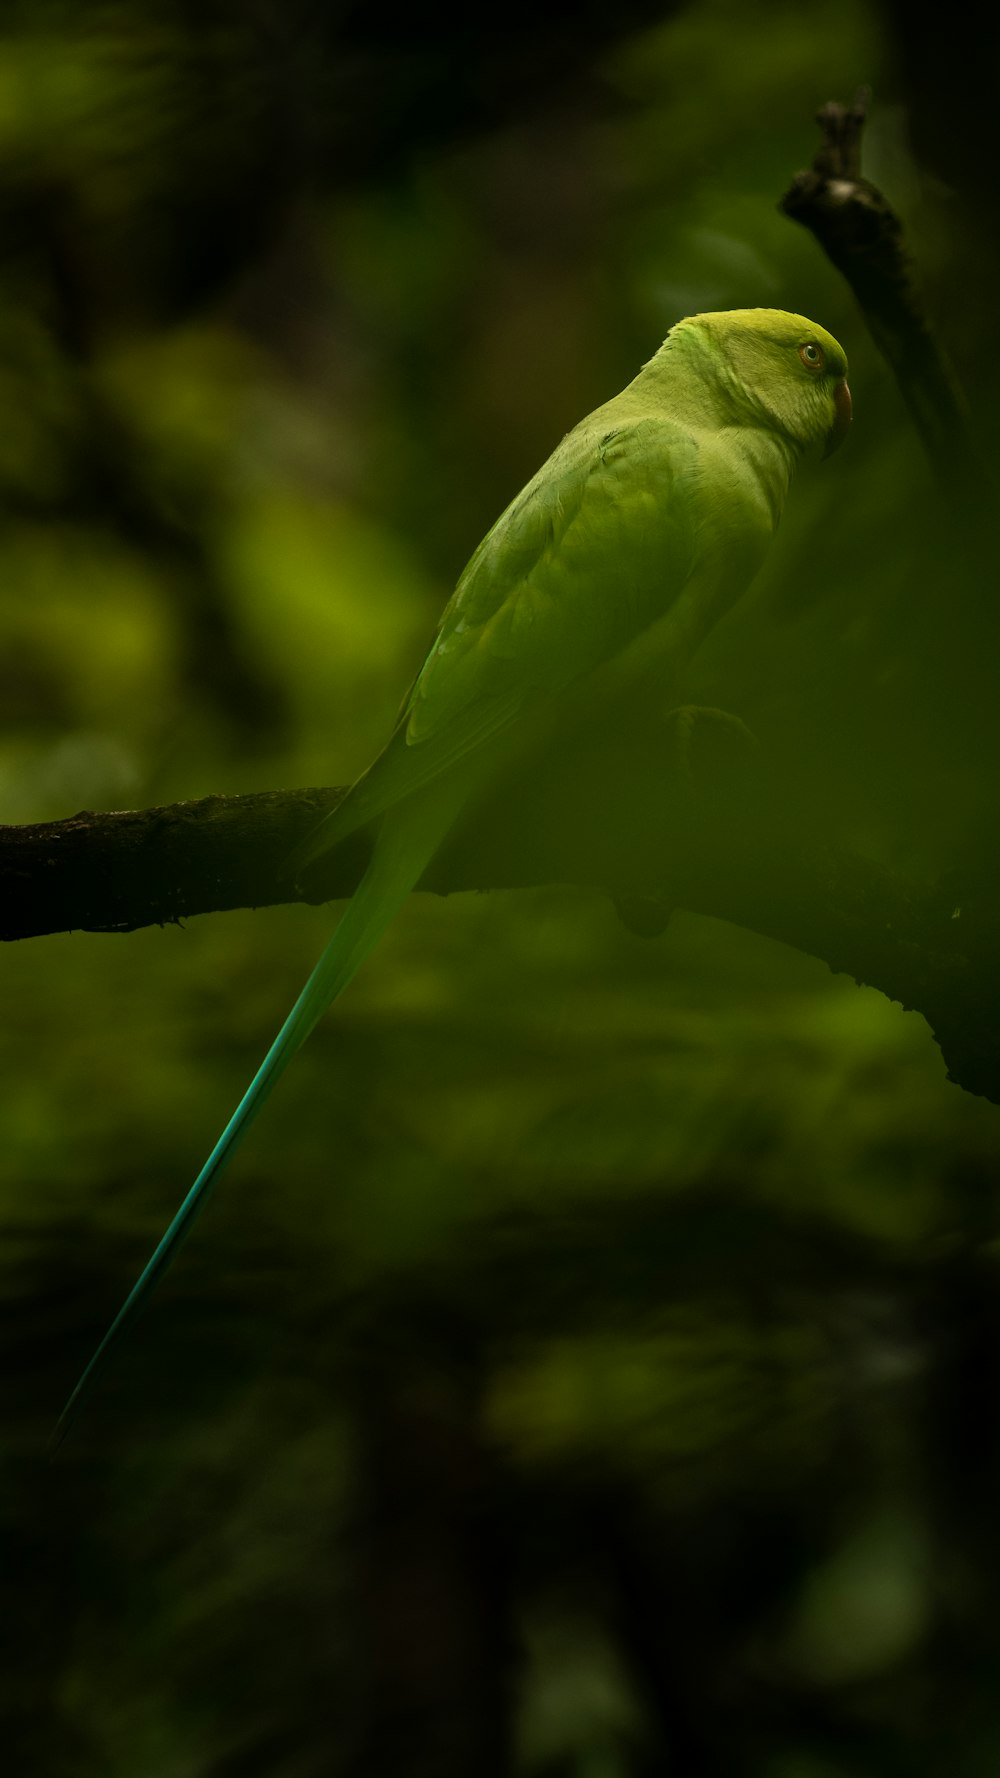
640 531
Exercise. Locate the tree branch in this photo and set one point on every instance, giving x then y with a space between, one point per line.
148 867
924 945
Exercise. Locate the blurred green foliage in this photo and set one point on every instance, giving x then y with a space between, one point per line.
590 1366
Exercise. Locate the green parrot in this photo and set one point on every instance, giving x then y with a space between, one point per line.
597 584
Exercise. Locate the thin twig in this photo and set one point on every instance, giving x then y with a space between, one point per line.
860 232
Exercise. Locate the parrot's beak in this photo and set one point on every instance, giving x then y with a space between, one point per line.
839 429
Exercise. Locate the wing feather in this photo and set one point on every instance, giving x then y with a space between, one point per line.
590 553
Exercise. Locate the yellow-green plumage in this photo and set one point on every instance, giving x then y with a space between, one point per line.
601 578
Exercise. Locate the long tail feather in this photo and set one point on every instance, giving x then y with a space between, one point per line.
409 838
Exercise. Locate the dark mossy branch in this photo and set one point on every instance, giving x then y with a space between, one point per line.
920 944
114 872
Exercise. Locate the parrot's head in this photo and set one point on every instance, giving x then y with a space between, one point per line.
777 370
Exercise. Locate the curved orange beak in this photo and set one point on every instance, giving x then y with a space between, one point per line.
839 429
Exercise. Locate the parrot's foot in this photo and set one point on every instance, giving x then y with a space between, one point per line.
721 739
705 744
644 915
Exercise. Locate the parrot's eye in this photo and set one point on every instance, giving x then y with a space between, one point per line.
812 356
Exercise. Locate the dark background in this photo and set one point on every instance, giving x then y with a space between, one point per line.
589 1368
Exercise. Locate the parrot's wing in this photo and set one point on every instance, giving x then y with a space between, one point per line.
596 547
